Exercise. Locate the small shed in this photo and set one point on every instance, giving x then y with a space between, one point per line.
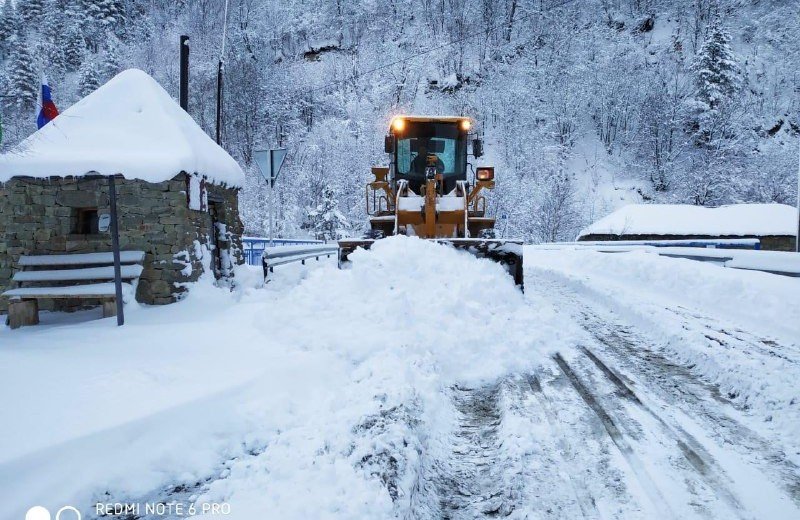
775 225
177 190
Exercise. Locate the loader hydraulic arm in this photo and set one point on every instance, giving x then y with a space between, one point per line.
379 184
479 185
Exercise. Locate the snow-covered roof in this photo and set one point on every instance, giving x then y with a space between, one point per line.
685 220
129 126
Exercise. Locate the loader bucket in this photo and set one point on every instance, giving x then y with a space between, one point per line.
505 252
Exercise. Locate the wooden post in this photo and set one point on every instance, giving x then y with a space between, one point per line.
22 313
109 309
112 194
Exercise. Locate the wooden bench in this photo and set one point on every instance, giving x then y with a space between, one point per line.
67 276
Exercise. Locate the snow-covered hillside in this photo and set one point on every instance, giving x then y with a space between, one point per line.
584 105
421 383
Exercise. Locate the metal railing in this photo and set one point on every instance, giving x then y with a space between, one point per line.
718 243
275 256
747 258
253 247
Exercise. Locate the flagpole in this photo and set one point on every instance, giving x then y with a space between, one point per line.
39 101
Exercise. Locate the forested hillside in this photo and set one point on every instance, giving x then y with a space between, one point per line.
584 104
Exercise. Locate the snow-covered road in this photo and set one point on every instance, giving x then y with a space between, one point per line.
691 447
420 383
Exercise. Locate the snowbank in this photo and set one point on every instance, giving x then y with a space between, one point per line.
683 219
777 262
129 126
759 301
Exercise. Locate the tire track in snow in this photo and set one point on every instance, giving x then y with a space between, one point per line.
595 465
644 478
689 399
685 389
583 497
694 453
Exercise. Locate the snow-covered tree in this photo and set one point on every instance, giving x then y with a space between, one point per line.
23 79
718 78
74 47
325 220
50 43
111 65
110 14
89 78
716 68
10 26
31 11
52 25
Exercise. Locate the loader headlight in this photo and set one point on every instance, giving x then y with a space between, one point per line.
485 173
398 124
466 124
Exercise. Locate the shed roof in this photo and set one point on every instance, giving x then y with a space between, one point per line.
129 126
687 220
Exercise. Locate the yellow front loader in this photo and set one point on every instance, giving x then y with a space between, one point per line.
425 191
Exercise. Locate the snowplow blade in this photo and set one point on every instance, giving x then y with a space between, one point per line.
505 252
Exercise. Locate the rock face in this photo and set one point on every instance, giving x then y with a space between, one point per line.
58 215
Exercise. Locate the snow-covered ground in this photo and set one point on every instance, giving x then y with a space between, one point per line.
420 383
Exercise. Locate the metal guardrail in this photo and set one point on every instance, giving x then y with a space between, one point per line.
775 262
719 243
253 247
275 256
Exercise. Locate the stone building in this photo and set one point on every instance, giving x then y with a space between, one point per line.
177 190
774 225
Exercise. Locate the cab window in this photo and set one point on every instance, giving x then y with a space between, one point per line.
435 144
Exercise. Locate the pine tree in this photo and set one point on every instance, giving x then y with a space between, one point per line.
717 73
31 11
52 21
51 56
50 44
89 78
110 14
111 65
74 48
717 79
326 221
10 25
23 79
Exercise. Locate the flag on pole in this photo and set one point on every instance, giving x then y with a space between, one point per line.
48 111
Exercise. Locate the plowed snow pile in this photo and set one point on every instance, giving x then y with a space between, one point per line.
414 299
308 398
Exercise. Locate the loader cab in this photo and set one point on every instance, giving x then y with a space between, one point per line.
421 147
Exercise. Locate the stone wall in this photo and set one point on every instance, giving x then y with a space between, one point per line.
39 216
768 243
